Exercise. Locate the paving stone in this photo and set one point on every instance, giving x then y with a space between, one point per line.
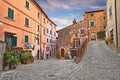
98 63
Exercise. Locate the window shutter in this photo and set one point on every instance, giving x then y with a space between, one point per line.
7 40
92 24
91 15
14 41
26 22
26 38
27 4
10 13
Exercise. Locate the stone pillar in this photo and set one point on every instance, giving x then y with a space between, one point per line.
2 50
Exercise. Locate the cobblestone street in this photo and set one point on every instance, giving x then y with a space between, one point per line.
98 63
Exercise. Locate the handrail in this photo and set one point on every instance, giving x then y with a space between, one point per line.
80 51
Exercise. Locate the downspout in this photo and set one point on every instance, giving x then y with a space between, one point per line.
116 24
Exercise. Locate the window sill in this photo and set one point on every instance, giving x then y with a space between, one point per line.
26 26
27 8
10 19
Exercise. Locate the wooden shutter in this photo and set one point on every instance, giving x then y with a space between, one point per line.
27 4
26 38
7 40
10 13
92 23
14 41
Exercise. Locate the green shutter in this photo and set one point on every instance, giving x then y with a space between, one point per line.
26 22
27 4
26 38
7 39
10 13
110 11
14 41
92 24
91 14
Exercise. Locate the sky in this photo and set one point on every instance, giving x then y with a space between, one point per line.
62 12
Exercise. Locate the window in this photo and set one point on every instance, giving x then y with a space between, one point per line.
11 40
38 42
111 33
47 48
27 22
27 5
82 31
47 40
92 23
51 32
26 38
54 34
110 11
38 15
47 31
10 13
50 40
14 41
51 24
44 20
91 14
38 28
76 43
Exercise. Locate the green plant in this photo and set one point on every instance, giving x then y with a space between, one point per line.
24 57
57 54
101 34
106 41
67 57
110 40
15 60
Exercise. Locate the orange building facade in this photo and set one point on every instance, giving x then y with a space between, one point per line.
23 25
95 22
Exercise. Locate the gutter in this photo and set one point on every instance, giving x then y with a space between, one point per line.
116 24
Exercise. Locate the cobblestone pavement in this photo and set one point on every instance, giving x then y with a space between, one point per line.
98 63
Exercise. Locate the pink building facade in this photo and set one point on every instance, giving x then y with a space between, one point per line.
50 38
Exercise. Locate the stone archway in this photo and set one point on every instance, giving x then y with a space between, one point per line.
62 51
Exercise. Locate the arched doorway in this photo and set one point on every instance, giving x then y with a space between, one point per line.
62 52
38 52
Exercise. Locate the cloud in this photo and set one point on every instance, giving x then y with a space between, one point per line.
54 4
68 4
62 21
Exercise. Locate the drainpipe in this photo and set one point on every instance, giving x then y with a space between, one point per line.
116 24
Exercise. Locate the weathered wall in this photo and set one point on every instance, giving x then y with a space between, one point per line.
2 50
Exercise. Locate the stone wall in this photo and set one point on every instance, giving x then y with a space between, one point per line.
2 50
66 35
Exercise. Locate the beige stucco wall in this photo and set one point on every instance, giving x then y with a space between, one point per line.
111 21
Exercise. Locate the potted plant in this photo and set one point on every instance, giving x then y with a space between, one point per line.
31 58
67 56
24 58
7 60
57 54
15 62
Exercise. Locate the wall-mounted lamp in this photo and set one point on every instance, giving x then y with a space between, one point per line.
1 23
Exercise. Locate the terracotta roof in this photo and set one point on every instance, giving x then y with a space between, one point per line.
94 11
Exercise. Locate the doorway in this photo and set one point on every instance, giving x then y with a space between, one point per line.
62 52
